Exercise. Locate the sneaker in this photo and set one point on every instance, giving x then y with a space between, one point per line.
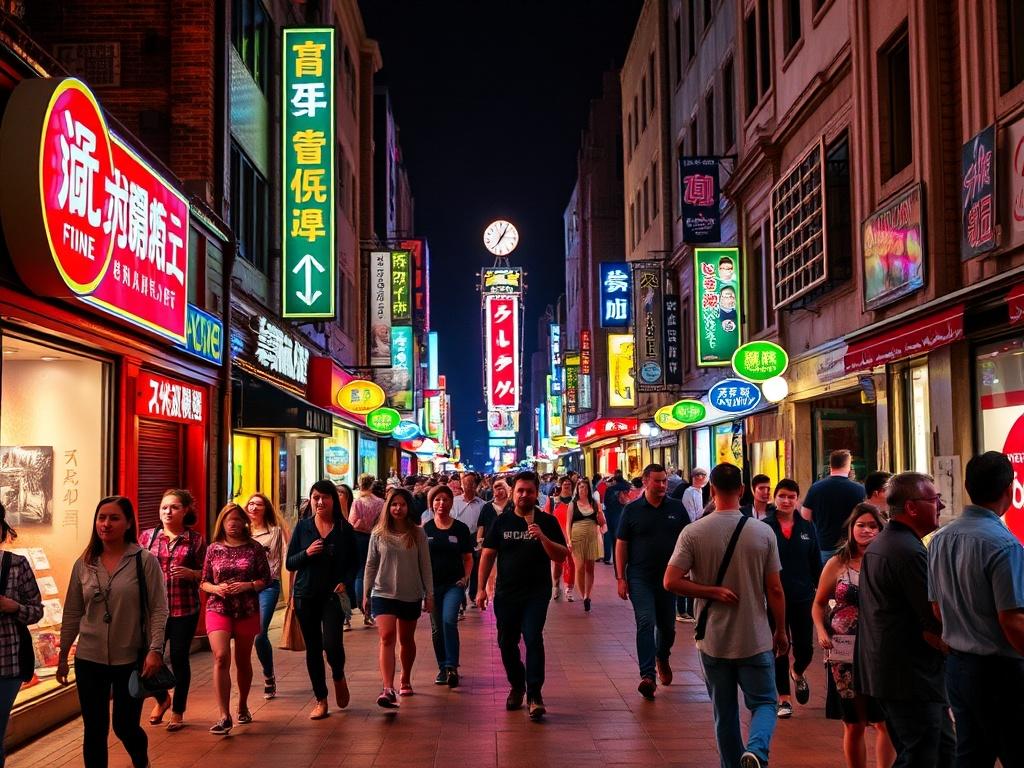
269 687
442 678
537 708
367 621
785 710
750 760
803 691
244 717
348 625
388 699
453 678
586 604
221 727
647 688
557 594
569 598
515 699
664 671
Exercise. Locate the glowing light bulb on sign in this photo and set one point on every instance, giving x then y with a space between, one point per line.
775 389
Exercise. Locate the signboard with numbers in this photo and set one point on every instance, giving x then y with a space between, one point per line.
115 231
307 181
158 397
717 308
616 290
501 318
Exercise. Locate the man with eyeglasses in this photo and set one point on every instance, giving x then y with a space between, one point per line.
899 654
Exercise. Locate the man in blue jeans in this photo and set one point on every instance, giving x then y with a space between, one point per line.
647 533
737 647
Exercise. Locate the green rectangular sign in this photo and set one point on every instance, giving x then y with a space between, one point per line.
716 283
307 163
401 287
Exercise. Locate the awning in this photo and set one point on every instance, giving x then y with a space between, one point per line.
915 338
602 428
1015 304
258 404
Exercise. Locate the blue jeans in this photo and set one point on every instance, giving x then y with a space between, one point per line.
984 692
522 618
362 548
444 625
268 604
655 612
755 676
9 687
922 733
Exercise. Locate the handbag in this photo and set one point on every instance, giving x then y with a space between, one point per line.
291 632
26 652
140 687
702 620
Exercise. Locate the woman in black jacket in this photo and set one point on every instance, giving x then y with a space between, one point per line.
322 554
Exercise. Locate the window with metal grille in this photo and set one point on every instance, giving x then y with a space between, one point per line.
798 238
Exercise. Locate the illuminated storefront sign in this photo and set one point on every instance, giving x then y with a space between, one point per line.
506 280
700 199
673 344
689 411
116 232
360 396
383 420
572 382
159 397
401 293
406 430
307 179
556 346
380 308
279 353
648 292
734 396
893 238
663 418
397 381
717 281
616 285
760 361
621 392
204 335
501 317
977 194
602 428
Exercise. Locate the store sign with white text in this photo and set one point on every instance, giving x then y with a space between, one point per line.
279 353
158 397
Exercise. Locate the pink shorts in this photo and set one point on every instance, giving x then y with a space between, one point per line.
247 627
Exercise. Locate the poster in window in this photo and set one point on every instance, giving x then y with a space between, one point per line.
26 484
894 249
977 194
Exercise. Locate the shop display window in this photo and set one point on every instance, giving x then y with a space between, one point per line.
729 443
368 455
339 456
911 421
55 430
254 465
999 377
768 458
701 449
307 466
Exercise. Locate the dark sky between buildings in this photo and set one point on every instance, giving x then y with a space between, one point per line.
490 98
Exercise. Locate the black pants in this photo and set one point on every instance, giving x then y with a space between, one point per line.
322 623
95 682
800 628
524 619
984 692
179 633
921 733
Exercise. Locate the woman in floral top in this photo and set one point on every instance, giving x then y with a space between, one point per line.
235 571
180 551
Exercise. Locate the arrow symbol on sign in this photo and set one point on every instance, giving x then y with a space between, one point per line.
308 263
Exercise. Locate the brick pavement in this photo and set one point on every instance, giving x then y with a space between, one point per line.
596 717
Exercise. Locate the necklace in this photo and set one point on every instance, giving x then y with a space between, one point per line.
103 596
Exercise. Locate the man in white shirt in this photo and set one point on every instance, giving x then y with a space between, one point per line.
693 497
466 509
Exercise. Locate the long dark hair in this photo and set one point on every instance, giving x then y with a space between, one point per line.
187 501
327 488
6 532
344 490
386 524
95 547
848 548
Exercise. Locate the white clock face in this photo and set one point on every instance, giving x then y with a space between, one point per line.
501 238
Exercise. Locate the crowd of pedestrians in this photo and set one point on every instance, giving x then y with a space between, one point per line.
921 630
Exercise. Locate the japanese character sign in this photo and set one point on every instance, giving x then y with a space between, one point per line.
717 304
734 396
279 353
116 231
401 287
648 306
616 292
759 361
977 194
702 221
308 176
159 397
501 319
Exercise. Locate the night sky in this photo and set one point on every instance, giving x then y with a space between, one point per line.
490 97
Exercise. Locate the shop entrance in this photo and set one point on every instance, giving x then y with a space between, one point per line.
839 422
161 459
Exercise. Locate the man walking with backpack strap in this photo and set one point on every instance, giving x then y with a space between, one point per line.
730 563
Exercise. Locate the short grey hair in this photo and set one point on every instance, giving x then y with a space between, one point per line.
904 487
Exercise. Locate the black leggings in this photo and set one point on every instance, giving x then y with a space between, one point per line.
179 633
94 683
801 637
322 623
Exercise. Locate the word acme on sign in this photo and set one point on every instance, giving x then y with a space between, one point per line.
159 397
307 194
116 232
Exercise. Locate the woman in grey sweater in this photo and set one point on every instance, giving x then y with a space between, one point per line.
398 568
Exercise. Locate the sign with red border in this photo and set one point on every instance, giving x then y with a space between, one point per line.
602 428
159 397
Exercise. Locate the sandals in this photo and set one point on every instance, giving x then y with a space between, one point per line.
157 719
175 725
269 687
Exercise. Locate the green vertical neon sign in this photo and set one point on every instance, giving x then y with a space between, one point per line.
308 183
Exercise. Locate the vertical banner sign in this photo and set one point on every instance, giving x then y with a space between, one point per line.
556 426
648 292
700 194
717 279
501 317
380 309
615 294
555 337
401 287
586 350
307 194
399 386
572 382
673 348
621 388
1013 181
977 194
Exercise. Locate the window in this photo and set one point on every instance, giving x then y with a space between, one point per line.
750 60
1011 43
728 106
707 13
677 37
636 120
709 123
250 35
653 100
792 23
629 134
250 212
643 103
759 283
691 29
632 225
647 207
349 85
654 189
798 229
764 43
838 210
911 427
639 217
894 72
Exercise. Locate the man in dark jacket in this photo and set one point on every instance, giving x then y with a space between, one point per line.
899 656
613 511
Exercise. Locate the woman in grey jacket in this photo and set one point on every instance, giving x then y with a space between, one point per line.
398 568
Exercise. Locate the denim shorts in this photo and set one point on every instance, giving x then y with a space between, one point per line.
387 606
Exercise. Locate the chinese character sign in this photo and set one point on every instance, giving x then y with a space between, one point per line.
717 304
586 349
621 387
673 345
734 396
159 397
401 294
307 164
977 194
1012 171
893 238
279 353
501 318
555 336
702 221
572 382
116 232
760 361
616 291
380 308
648 292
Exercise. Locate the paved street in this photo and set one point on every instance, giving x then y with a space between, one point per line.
595 715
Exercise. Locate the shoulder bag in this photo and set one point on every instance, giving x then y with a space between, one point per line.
138 686
291 632
702 620
26 653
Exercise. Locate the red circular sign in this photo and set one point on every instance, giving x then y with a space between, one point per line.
1014 450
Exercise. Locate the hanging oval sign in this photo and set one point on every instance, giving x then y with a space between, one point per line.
689 411
734 396
663 418
383 420
760 361
412 445
360 396
406 430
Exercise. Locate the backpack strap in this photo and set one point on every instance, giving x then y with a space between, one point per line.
702 620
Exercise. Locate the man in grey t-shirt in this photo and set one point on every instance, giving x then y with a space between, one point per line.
738 647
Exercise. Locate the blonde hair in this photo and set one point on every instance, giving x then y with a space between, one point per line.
219 534
387 526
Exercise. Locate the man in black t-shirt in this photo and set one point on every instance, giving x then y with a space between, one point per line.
830 501
524 542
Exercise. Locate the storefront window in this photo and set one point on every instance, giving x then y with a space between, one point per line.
701 448
54 464
768 458
368 455
339 464
843 422
729 443
254 467
911 422
307 466
1000 387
